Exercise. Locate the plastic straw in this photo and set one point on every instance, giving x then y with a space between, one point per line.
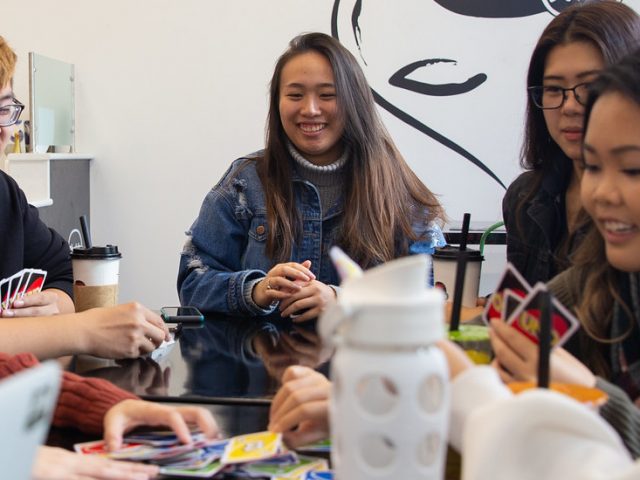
486 233
465 231
544 341
86 234
461 269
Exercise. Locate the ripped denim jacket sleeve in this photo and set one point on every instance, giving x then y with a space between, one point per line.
212 274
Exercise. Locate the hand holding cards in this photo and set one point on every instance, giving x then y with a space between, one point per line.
519 305
26 282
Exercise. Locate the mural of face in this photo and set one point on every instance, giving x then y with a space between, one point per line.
454 71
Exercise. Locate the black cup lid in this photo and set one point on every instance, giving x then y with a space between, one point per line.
450 252
110 251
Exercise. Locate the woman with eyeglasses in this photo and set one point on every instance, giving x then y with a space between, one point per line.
24 240
541 209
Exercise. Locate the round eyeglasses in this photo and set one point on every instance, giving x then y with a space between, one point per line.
9 114
549 97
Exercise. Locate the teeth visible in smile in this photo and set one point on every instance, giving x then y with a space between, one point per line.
618 226
313 127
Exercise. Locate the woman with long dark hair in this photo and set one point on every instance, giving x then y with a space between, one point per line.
603 285
329 175
541 208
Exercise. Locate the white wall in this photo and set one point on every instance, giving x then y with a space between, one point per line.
168 93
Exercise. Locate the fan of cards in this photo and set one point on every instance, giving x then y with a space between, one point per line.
26 282
256 455
519 305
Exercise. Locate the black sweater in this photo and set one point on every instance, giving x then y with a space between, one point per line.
26 242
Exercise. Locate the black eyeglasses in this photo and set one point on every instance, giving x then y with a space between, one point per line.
549 97
9 114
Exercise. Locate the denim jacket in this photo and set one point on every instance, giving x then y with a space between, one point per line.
225 250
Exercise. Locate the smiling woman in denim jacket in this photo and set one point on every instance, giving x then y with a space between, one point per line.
329 175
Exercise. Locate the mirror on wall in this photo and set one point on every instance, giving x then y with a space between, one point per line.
52 109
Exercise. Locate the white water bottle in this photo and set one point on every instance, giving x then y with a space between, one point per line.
390 403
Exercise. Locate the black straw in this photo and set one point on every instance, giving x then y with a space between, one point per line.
544 340
465 231
461 269
86 234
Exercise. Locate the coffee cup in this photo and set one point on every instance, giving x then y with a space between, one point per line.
445 261
95 276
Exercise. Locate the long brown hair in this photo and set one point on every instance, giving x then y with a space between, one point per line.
383 197
602 283
611 27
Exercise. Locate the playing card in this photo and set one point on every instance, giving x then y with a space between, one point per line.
35 282
4 293
320 475
323 446
160 438
206 472
511 302
526 318
252 447
512 280
99 447
18 285
285 470
203 456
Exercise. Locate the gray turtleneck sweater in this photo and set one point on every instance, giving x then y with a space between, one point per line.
328 179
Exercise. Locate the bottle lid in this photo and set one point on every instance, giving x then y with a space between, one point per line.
389 306
96 253
451 252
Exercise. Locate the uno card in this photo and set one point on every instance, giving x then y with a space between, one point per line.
252 447
323 446
202 457
160 438
4 293
511 302
512 280
99 447
321 475
294 470
18 285
35 282
526 318
206 472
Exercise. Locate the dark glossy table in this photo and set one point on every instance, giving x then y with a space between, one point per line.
230 365
230 362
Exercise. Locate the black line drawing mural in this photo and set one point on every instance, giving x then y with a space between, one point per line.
372 29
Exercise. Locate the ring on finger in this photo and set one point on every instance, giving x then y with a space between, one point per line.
269 287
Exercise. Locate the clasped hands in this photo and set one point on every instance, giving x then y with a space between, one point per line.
295 287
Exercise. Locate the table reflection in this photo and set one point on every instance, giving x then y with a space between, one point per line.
226 360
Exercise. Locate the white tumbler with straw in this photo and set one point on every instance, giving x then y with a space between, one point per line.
390 405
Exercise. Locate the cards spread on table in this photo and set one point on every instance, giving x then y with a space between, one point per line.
258 455
26 282
518 305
